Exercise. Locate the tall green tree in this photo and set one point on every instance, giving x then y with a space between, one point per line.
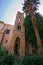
29 31
31 6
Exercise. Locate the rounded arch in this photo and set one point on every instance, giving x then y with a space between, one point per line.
17 46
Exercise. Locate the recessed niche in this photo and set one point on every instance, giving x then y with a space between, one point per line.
20 19
18 27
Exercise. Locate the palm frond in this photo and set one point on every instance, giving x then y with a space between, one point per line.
33 2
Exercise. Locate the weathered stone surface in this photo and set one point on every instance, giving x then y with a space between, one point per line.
15 36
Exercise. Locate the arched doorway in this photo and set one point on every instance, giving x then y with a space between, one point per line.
17 46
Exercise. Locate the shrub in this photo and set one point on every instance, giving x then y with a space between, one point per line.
32 60
5 58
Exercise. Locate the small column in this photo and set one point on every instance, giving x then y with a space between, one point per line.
22 46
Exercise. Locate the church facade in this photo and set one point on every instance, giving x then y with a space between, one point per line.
12 37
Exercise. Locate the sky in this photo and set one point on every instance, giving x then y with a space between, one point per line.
9 8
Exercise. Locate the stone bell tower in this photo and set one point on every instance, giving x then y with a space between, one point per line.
19 35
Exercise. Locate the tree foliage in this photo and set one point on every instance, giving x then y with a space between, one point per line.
39 20
29 31
5 58
34 4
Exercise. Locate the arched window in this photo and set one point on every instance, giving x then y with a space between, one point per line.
18 27
20 19
17 46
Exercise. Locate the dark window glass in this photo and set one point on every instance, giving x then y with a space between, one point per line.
7 31
6 41
19 28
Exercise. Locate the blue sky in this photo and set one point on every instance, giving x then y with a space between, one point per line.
3 6
9 8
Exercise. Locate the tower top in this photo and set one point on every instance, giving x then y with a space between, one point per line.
20 12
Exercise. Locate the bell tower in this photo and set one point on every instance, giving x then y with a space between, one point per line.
19 35
19 22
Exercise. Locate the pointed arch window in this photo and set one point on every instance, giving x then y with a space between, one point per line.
20 19
18 27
